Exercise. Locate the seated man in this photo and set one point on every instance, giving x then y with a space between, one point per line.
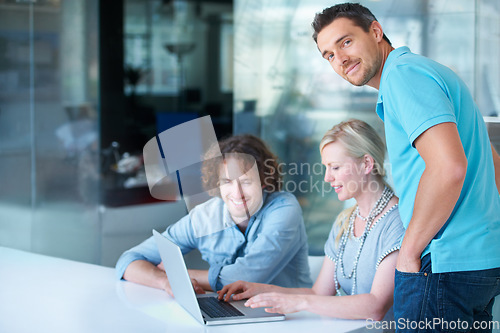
262 238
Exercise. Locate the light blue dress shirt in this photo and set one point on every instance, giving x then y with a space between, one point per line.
415 94
273 249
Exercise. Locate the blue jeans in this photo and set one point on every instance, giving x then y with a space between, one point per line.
445 302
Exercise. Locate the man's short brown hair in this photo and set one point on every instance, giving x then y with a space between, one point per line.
360 15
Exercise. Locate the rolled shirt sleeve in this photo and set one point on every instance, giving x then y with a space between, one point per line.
213 276
148 250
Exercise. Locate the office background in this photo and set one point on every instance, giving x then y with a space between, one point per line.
85 84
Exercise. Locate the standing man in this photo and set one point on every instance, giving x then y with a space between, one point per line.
448 269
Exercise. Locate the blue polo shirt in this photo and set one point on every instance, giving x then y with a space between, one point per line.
415 94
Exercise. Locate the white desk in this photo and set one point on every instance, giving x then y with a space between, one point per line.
46 294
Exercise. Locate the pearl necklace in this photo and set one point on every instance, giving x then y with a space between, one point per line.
339 260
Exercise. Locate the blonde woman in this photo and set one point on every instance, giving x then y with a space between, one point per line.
362 247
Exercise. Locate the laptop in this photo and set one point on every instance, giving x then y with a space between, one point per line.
205 308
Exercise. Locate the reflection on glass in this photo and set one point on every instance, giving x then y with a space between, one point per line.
288 94
49 164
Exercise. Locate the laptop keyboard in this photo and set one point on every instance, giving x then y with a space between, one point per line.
218 309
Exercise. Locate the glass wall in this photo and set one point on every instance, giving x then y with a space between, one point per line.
171 71
49 127
285 92
173 50
83 85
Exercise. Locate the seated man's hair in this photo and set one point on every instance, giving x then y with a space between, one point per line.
256 151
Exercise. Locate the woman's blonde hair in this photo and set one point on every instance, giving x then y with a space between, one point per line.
359 139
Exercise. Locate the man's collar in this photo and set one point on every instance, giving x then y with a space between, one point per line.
396 53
